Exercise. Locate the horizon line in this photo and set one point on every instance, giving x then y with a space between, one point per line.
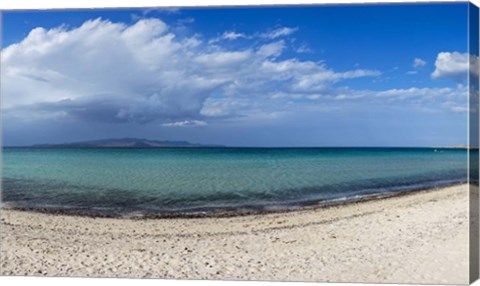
206 146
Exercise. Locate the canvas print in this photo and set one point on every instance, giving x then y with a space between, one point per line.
327 143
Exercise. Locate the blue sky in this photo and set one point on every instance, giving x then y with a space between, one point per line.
369 75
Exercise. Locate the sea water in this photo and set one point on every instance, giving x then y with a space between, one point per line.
182 181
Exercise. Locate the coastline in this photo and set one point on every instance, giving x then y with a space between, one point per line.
417 237
227 212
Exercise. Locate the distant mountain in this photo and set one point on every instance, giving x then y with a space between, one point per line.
127 143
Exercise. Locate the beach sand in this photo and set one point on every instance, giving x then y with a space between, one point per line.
416 238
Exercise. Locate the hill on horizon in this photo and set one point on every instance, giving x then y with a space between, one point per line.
127 143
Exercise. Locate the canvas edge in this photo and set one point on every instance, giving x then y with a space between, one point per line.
473 158
1 123
473 120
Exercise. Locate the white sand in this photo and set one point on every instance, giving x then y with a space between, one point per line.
419 238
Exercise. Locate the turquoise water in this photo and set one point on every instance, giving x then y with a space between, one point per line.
119 182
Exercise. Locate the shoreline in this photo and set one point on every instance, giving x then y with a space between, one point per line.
417 238
225 212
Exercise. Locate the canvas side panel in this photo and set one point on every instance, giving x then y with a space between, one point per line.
474 140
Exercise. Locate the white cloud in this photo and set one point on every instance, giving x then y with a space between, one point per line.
450 99
185 123
400 94
423 93
272 50
226 107
270 35
279 32
232 35
417 62
308 73
451 65
130 71
228 35
322 77
304 49
223 59
293 100
143 72
455 107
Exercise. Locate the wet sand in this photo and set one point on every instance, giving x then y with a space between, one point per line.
416 238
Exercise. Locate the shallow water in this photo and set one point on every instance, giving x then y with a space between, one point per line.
118 182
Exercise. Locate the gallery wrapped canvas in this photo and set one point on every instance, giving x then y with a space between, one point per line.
327 143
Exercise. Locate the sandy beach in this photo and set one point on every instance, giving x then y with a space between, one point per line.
416 238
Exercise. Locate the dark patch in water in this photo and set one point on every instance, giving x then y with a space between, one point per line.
61 198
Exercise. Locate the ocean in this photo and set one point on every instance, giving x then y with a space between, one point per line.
125 182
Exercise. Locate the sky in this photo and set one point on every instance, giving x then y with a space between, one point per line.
355 75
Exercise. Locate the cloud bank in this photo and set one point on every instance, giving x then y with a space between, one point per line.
117 73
